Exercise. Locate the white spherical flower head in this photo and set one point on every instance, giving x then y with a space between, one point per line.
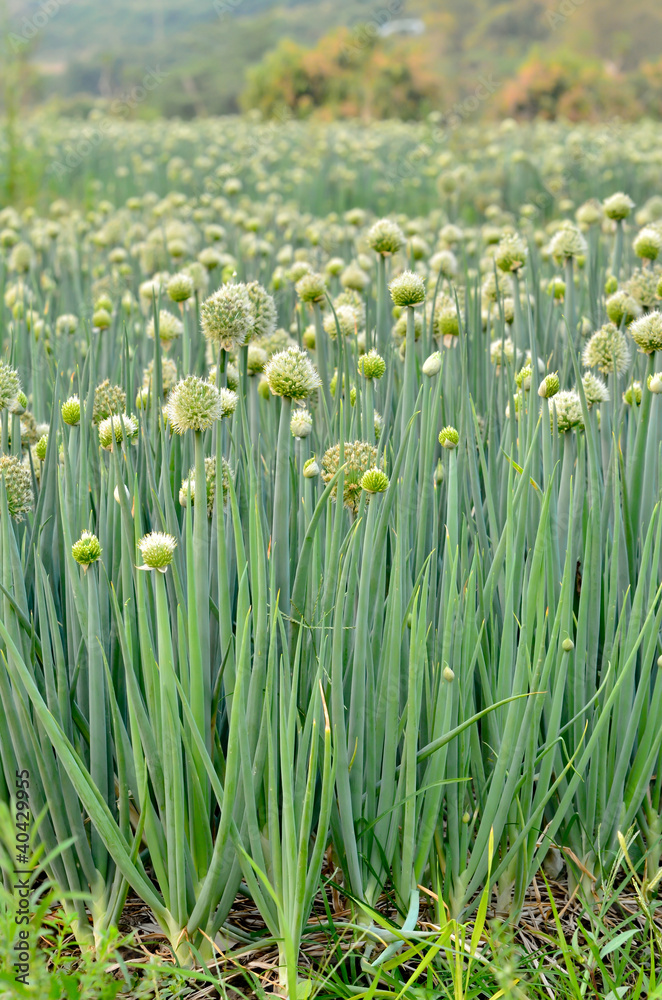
568 409
385 237
595 389
180 287
647 332
607 350
511 253
617 206
567 243
228 400
648 243
228 317
114 429
292 374
193 405
265 314
408 289
157 549
170 327
311 287
347 319
10 385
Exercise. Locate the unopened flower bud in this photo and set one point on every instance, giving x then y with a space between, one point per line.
448 674
86 550
549 386
432 364
310 468
301 423
374 481
71 411
567 645
371 365
157 550
40 447
449 438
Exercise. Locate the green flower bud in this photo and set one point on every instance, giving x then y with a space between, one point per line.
360 456
18 485
556 288
20 404
449 675
10 385
256 359
611 285
632 395
647 243
374 481
371 365
549 386
67 324
86 550
263 389
40 447
157 550
622 307
567 645
523 378
101 319
180 287
408 289
618 206
439 473
108 399
449 438
511 254
170 327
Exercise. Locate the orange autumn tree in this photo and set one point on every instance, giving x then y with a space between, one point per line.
347 74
